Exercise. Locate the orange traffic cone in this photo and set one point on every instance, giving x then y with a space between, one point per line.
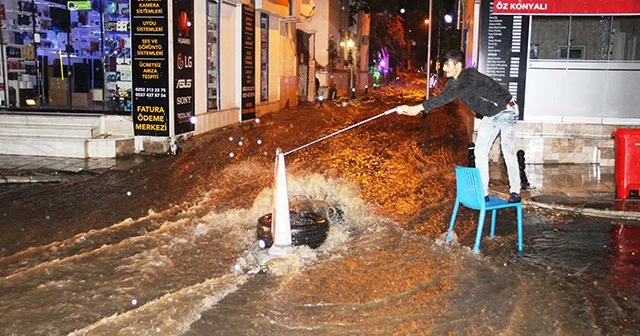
280 224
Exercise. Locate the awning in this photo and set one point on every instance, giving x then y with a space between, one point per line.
281 2
567 7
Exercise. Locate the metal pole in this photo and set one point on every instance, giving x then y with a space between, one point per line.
429 47
340 131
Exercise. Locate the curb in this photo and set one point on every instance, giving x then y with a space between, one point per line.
586 211
621 214
30 179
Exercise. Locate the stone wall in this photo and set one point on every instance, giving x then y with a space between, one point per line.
551 143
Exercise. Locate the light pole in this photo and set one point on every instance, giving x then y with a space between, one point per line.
429 47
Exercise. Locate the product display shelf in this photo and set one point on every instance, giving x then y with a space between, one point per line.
117 55
212 58
18 54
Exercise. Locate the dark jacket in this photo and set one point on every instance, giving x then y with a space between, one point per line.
479 92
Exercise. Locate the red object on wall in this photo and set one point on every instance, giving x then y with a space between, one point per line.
627 161
184 24
565 7
281 2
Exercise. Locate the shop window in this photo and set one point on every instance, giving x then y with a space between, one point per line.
625 38
547 34
212 55
117 56
591 38
573 52
56 57
18 69
264 57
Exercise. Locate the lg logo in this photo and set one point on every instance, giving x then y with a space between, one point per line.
184 62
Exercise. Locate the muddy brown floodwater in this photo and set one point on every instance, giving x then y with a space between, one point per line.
168 247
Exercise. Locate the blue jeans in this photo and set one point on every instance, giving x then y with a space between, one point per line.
503 123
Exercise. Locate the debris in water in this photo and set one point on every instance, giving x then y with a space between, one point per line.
230 138
442 240
259 142
257 120
240 143
134 302
231 154
128 193
254 270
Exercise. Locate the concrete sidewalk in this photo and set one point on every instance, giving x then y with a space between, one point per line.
49 169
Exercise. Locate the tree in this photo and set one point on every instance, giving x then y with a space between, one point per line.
392 29
387 31
333 54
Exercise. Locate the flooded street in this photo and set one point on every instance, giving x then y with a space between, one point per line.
169 246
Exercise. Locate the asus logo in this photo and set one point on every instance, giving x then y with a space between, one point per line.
183 84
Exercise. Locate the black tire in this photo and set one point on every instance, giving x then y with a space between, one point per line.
307 228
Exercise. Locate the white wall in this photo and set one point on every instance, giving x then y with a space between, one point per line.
318 25
200 58
229 55
583 92
229 67
275 58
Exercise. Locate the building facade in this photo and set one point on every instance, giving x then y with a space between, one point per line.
339 50
153 70
573 68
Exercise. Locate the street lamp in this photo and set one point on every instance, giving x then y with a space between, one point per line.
348 45
429 47
448 18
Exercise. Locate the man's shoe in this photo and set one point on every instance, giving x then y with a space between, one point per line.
514 198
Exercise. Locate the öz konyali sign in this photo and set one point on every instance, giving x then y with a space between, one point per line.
567 7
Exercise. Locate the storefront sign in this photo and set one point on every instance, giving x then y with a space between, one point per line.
150 67
565 7
503 50
79 5
248 63
183 58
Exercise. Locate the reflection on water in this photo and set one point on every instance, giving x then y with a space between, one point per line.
153 274
624 267
599 260
585 249
189 275
191 268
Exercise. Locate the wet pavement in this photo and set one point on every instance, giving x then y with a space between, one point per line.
168 246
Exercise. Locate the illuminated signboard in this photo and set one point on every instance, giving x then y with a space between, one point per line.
565 7
79 5
183 59
150 67
248 63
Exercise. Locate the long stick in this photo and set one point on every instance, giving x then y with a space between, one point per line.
340 131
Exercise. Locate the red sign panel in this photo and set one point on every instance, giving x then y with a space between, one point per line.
567 7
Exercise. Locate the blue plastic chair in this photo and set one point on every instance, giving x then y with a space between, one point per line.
470 193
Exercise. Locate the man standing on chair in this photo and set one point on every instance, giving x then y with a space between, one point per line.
492 103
